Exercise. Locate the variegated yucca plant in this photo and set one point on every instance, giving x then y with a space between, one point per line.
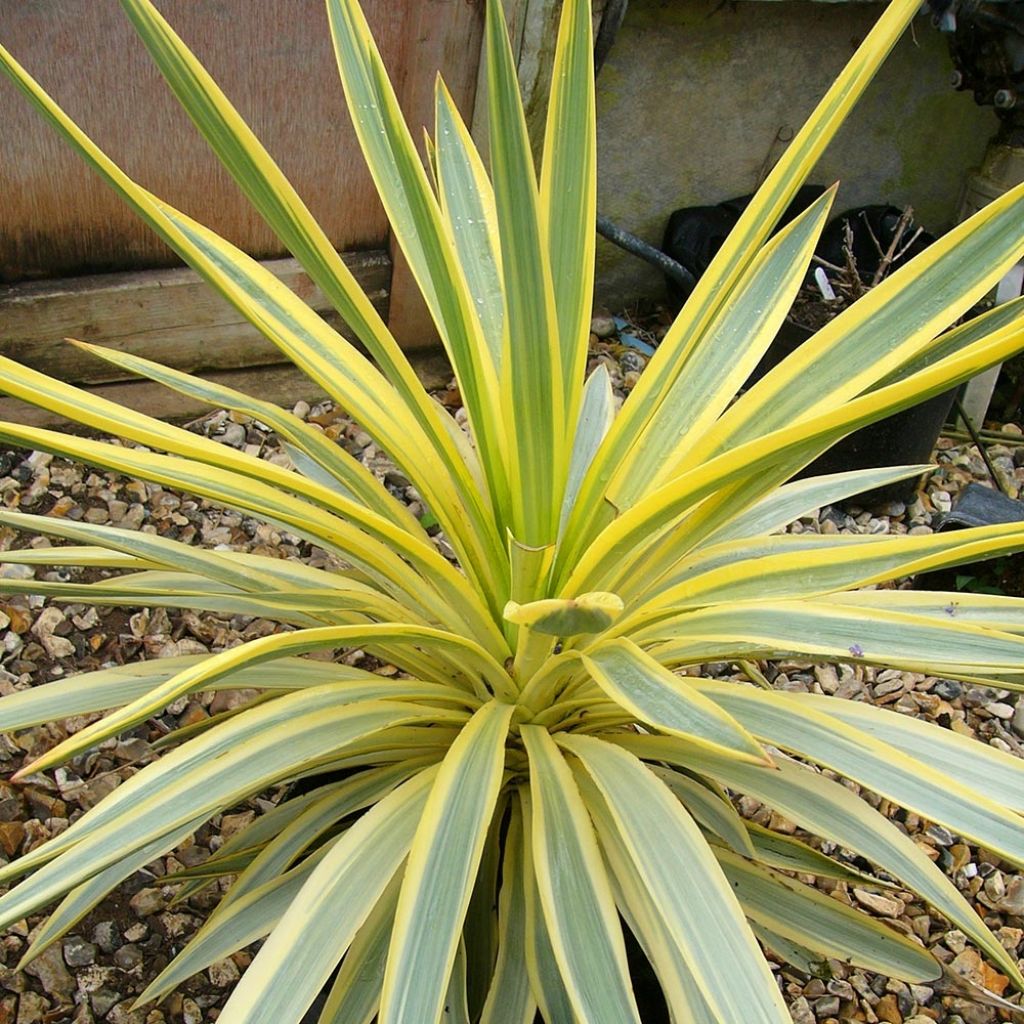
538 772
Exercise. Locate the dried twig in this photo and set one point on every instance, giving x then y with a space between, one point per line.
889 256
855 283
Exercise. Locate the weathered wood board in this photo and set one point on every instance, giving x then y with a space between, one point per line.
170 316
274 60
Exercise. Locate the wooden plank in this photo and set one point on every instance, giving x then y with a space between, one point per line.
282 383
171 316
274 60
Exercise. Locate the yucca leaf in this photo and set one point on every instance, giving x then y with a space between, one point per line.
993 611
716 286
840 633
378 557
642 686
416 220
824 568
239 924
1006 314
644 918
532 376
77 555
802 958
509 997
880 332
480 933
454 1004
297 959
355 993
546 983
567 205
597 410
578 906
743 474
830 810
351 795
214 770
106 688
154 589
279 204
735 341
439 874
702 918
303 336
710 809
85 896
802 497
706 559
978 766
807 916
296 329
339 470
161 551
467 202
271 193
778 850
224 664
934 794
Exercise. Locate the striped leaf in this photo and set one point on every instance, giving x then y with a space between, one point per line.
442 865
702 918
642 686
296 961
578 906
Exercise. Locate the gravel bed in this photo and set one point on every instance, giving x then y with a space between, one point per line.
95 973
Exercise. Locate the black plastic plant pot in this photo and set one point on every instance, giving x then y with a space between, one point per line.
906 438
978 505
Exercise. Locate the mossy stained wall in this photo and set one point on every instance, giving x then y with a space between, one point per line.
696 99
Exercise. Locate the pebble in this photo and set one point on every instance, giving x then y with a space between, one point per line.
223 973
78 952
1017 722
32 1008
947 689
148 901
884 906
106 936
49 968
1012 900
234 434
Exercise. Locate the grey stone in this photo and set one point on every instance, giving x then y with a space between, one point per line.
827 1006
102 1000
78 952
128 957
49 968
947 689
106 936
32 1008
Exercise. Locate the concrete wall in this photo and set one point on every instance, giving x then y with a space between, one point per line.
695 97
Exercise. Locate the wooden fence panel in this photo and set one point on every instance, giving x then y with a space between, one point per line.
75 261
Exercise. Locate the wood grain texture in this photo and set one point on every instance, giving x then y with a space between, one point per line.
170 316
273 59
